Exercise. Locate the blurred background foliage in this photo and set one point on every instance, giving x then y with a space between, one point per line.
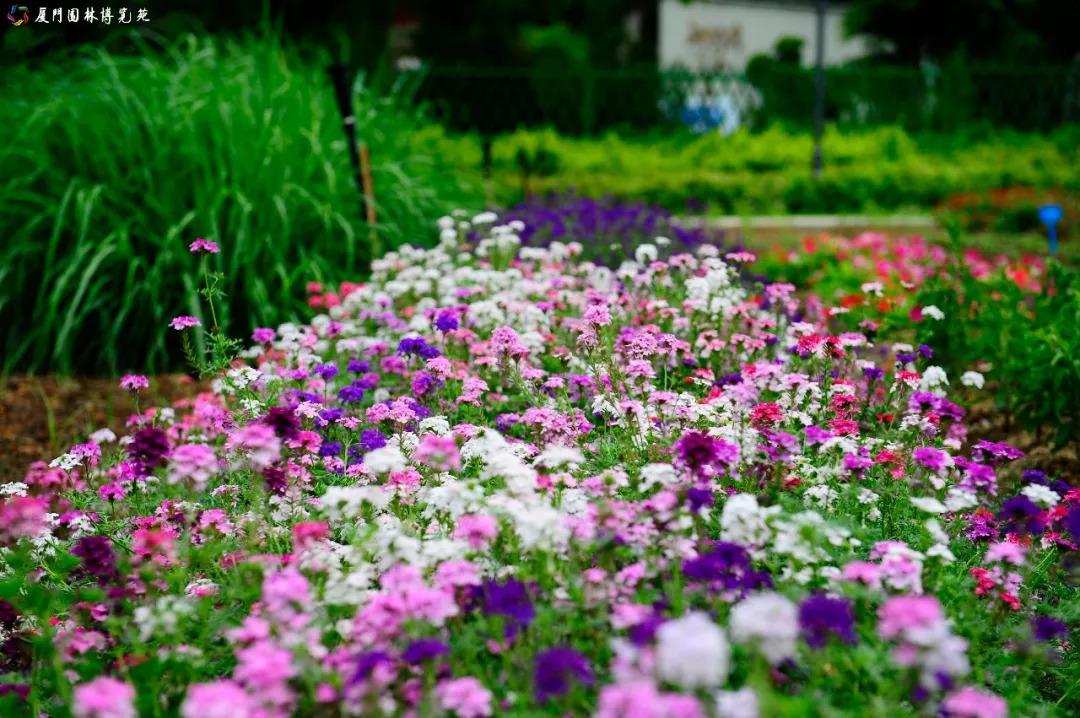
126 142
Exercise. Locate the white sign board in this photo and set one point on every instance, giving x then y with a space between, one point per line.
725 34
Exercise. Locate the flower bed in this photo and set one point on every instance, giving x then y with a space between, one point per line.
499 480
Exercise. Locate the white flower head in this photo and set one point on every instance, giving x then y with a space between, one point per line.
692 652
768 620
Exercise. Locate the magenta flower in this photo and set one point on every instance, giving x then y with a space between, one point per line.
185 322
969 702
203 246
104 697
134 382
217 700
263 335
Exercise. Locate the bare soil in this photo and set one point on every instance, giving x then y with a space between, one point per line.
42 416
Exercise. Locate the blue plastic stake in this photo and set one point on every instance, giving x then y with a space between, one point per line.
1050 215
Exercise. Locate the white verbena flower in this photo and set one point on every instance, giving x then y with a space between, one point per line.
692 652
768 620
933 312
972 378
1041 494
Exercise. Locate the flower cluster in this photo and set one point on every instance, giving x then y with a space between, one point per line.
496 479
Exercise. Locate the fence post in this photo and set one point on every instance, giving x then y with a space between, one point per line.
588 101
819 87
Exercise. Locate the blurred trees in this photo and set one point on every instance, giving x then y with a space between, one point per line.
1000 31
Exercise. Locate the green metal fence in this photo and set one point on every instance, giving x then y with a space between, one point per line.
492 101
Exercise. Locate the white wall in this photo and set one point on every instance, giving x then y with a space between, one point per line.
724 34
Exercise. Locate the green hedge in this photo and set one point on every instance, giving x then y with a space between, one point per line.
883 169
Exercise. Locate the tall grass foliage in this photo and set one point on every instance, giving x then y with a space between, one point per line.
114 163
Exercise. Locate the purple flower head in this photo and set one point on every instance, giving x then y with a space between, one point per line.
371 439
9 616
1034 476
276 480
366 663
816 435
933 459
283 421
148 448
184 322
977 477
556 669
726 567
423 650
821 616
351 394
330 448
423 383
925 352
98 557
504 422
644 633
326 371
203 246
263 335
356 366
905 357
873 373
983 526
697 451
445 321
1046 628
994 453
1071 522
510 600
1021 515
731 379
697 498
410 345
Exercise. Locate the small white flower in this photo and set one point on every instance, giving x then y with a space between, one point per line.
933 312
103 436
972 378
942 552
645 253
959 499
692 652
928 504
768 620
742 703
1041 494
388 459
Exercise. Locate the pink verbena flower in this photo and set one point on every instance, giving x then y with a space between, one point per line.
466 696
104 697
969 702
220 699
203 246
263 335
905 613
113 491
438 452
194 463
258 442
185 322
22 516
134 382
477 529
